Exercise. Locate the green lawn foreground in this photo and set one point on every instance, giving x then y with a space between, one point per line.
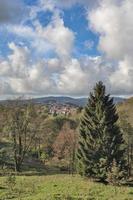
61 187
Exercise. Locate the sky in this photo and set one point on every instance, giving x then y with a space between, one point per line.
63 47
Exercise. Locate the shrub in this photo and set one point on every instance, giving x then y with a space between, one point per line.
115 175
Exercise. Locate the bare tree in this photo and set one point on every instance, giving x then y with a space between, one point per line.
22 130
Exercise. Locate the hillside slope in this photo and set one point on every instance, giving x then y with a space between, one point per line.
126 108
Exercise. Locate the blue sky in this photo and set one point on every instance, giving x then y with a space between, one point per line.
50 47
74 18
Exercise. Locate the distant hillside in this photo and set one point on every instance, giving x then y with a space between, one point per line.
126 108
69 100
61 100
64 100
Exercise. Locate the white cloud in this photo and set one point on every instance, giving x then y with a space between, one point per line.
71 78
14 70
113 21
16 63
61 37
49 76
53 37
122 78
19 76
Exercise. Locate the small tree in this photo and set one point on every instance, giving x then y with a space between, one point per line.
100 140
115 175
65 145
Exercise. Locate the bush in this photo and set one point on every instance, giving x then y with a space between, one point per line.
11 182
44 157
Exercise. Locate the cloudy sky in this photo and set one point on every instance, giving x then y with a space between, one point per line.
62 47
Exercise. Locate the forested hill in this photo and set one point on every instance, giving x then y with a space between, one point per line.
65 100
68 100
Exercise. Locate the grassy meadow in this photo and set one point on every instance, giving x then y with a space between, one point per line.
60 187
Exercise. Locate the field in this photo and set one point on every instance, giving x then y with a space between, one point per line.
60 187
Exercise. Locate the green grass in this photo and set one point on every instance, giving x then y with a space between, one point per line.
61 187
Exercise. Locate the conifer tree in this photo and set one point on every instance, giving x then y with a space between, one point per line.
100 140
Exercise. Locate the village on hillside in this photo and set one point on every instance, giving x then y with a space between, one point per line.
62 109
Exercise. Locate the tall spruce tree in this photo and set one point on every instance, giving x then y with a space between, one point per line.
100 140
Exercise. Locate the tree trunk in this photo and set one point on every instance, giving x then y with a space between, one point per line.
17 166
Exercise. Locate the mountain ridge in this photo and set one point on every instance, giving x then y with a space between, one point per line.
81 101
